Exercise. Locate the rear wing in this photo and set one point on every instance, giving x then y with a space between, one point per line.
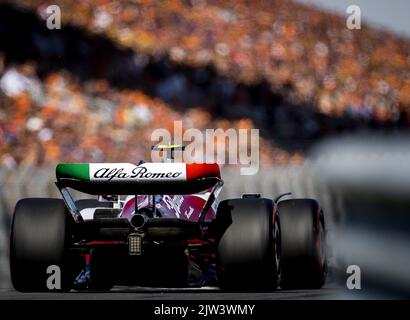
146 178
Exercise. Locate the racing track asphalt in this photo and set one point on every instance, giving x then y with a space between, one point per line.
330 291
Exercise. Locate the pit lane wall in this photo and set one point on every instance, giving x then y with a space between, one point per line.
270 182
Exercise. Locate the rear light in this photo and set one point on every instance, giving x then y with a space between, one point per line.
135 244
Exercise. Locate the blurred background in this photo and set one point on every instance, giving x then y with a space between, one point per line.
328 102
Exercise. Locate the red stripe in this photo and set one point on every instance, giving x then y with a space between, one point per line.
202 170
92 243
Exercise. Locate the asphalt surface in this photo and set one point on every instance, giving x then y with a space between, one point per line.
330 291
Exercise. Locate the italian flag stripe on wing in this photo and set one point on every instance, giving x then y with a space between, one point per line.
202 170
79 171
129 172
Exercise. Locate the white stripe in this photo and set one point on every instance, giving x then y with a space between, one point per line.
130 172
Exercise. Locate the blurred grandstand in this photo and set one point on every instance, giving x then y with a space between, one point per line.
96 89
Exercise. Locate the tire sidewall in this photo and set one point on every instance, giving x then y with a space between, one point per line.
39 238
245 245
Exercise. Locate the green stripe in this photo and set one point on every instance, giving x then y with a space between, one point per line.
79 171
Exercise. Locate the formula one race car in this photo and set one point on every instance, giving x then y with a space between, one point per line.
160 225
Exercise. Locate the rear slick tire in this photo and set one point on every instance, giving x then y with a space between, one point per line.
303 256
246 245
39 240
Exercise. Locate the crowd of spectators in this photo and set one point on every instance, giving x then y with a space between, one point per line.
58 119
305 54
289 69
